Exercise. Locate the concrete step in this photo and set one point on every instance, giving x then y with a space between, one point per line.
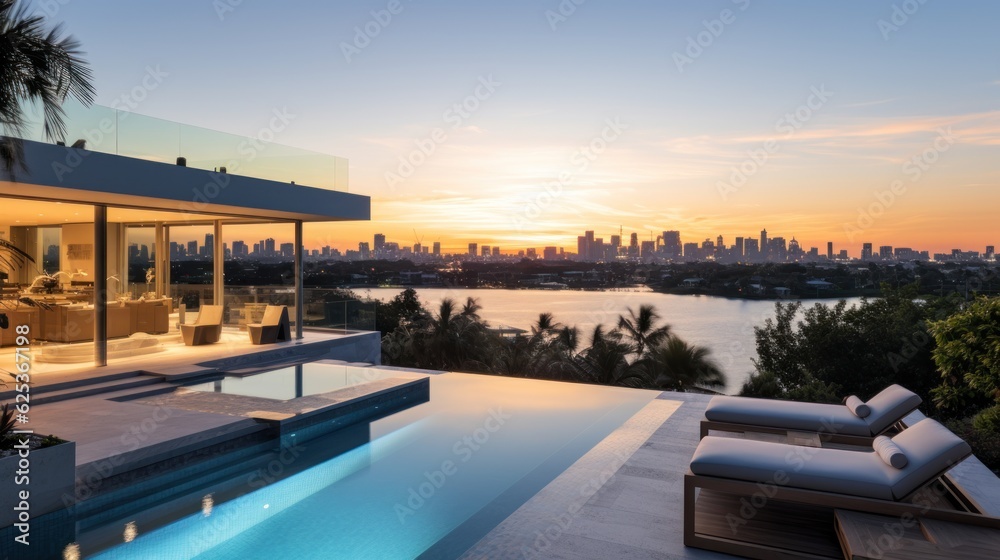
75 392
39 388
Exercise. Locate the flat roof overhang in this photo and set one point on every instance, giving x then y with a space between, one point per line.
65 174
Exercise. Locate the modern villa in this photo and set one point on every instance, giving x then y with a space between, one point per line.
135 181
200 418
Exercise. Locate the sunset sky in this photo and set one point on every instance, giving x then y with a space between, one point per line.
639 114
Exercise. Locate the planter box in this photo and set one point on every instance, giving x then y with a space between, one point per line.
52 476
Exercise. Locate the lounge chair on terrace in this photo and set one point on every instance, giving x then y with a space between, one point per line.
207 328
274 326
743 496
854 422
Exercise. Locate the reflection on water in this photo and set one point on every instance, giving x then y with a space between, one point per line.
723 325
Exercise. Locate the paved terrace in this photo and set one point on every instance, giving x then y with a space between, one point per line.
624 498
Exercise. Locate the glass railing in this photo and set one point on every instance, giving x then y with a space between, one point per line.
124 133
324 308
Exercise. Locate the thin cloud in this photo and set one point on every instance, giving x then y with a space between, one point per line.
870 103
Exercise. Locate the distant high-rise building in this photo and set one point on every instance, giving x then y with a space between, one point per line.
691 252
473 249
672 248
209 244
325 251
866 252
379 244
990 252
647 248
239 249
793 247
616 242
885 252
719 245
829 250
496 251
739 247
269 247
764 247
582 249
550 253
437 248
192 248
485 251
418 248
532 253
287 250
365 250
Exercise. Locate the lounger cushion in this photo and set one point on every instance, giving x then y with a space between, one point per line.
889 452
889 406
929 447
856 473
788 415
857 406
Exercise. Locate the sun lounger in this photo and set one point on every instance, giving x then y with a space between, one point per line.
836 422
733 483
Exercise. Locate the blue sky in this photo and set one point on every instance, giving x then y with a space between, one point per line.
560 81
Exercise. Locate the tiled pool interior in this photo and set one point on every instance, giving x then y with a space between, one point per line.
428 481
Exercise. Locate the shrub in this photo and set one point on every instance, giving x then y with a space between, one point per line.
988 421
985 444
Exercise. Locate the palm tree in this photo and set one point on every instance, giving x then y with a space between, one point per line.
545 324
641 328
605 361
675 365
36 65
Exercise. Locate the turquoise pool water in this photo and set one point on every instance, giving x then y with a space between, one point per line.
430 481
295 381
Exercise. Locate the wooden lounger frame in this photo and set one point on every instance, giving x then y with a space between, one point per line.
810 497
864 441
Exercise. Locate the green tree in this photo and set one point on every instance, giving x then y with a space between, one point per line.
37 65
967 353
823 353
405 306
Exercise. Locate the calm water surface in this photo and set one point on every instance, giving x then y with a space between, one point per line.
723 325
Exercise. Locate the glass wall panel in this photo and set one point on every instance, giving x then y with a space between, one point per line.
47 272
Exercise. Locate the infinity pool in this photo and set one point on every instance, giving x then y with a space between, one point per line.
429 481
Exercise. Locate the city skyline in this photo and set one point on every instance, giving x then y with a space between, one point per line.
669 245
867 127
